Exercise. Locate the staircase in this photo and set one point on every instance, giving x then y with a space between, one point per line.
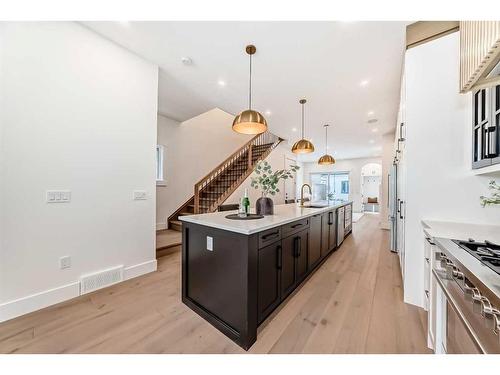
213 189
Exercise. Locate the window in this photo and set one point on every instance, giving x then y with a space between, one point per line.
160 156
330 186
344 187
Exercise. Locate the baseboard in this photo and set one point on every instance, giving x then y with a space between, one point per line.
139 269
13 309
25 305
161 226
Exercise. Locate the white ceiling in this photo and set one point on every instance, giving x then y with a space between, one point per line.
324 62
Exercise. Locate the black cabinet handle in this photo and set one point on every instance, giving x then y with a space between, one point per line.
296 246
279 263
296 225
399 206
273 234
400 210
330 218
300 246
429 240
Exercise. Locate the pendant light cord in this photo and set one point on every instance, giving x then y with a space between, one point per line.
302 120
326 139
250 86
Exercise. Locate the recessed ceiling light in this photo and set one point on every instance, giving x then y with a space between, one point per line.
371 113
221 82
371 141
363 83
294 129
372 121
375 130
268 112
186 60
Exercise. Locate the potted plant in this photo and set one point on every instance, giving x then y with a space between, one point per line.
267 181
495 196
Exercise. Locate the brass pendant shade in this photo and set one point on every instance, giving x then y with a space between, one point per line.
326 159
302 146
250 121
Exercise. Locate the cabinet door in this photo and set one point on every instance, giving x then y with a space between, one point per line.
325 234
288 265
269 279
332 223
314 253
301 251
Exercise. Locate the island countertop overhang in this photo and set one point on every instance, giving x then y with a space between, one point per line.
283 214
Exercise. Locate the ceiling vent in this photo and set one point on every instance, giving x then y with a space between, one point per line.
372 121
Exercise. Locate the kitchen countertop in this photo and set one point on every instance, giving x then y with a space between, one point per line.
462 231
480 275
283 214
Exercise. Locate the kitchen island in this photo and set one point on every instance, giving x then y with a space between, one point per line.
236 272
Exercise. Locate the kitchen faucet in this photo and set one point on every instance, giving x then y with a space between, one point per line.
302 193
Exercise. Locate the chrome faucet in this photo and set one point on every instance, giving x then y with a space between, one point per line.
302 193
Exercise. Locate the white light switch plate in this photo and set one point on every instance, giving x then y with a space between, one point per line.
58 196
65 262
210 243
140 195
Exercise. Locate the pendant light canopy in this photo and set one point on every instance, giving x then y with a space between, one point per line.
326 159
302 146
250 121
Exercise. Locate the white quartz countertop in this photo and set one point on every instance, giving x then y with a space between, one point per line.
462 231
283 214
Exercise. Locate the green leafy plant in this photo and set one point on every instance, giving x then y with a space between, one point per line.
267 180
495 196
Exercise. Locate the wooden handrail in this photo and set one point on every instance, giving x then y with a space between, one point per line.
246 150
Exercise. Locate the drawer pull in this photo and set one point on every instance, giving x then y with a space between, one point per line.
271 235
296 225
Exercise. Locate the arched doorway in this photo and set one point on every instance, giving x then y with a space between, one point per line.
371 180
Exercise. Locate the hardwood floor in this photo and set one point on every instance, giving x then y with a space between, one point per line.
352 304
167 242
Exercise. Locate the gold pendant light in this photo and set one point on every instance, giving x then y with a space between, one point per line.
326 159
250 121
302 146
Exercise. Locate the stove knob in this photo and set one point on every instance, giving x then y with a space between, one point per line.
488 312
468 288
476 301
450 269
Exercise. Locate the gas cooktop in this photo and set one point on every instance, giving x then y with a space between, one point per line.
487 252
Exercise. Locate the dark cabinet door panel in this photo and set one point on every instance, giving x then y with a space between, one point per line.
314 249
302 240
332 225
325 234
288 265
269 279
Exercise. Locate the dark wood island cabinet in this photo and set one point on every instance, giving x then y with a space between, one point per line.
235 273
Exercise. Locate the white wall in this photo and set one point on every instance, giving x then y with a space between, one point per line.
192 149
78 113
440 184
353 166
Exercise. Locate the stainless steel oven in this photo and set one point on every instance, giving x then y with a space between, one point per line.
471 322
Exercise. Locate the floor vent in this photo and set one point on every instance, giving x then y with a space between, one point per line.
98 280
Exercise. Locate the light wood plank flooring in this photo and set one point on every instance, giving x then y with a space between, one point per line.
352 304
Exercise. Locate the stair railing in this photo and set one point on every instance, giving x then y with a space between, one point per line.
225 179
